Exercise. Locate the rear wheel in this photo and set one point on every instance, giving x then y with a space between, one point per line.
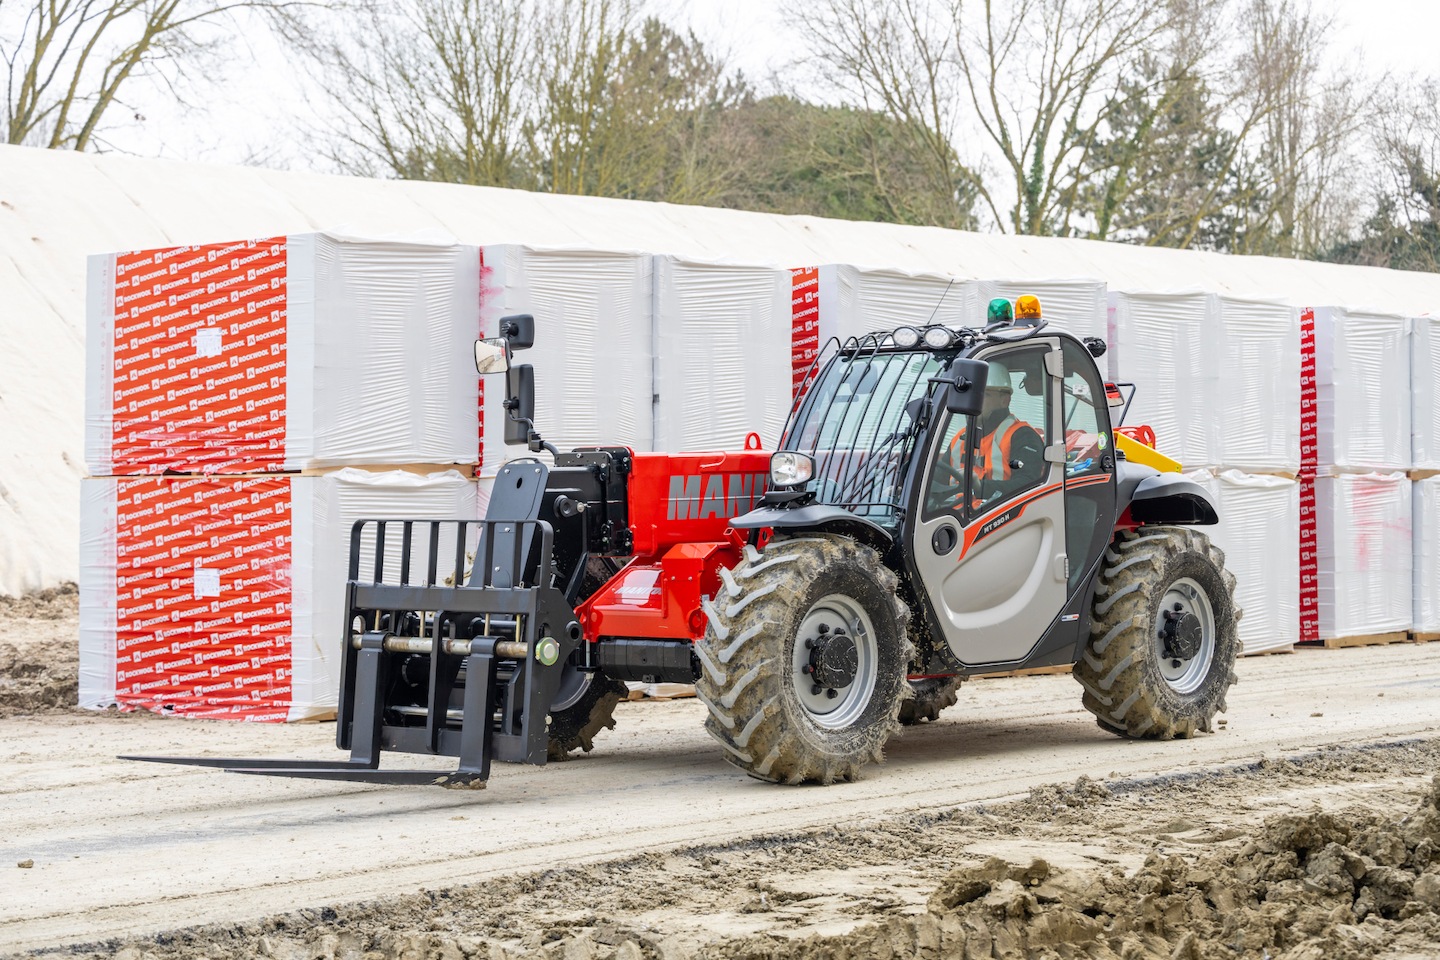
804 658
1163 638
932 694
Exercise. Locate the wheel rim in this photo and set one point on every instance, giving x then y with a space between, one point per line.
573 684
1184 636
836 612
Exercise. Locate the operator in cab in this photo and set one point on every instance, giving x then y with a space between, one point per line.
1009 454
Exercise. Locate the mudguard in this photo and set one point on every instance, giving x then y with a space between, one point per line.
1166 498
821 517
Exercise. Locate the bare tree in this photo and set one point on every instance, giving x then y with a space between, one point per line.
1304 117
897 59
424 89
1403 231
579 52
1243 148
67 61
1043 76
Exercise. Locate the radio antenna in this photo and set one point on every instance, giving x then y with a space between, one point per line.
941 300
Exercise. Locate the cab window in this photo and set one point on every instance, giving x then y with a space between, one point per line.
1086 418
983 461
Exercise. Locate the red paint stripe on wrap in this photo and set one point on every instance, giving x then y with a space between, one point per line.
804 324
1309 455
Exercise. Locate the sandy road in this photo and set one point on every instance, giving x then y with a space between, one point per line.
123 848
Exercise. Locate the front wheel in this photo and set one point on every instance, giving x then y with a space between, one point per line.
1163 636
804 659
931 695
583 706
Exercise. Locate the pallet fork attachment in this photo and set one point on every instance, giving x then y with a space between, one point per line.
458 668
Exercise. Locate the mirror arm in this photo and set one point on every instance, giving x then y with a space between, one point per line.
534 441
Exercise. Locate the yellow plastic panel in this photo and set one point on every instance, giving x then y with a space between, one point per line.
1137 452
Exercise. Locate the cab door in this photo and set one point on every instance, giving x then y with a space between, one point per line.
991 553
1089 463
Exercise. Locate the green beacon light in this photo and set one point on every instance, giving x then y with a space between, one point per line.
999 312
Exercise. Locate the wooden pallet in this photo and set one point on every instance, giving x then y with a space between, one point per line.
1266 653
1424 637
1367 640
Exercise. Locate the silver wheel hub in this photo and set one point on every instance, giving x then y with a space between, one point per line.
1184 634
835 661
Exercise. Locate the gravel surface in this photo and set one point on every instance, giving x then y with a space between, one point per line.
653 847
1328 855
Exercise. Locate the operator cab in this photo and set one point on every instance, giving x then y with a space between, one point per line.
987 459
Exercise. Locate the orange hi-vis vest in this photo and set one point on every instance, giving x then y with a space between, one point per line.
997 461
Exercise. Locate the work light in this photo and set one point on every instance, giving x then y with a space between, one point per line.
938 338
790 469
905 337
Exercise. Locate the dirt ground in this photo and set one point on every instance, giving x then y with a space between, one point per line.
1333 855
39 656
974 839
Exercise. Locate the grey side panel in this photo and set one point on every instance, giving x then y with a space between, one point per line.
1170 498
817 516
1128 476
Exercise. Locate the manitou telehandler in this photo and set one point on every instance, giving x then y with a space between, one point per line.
943 502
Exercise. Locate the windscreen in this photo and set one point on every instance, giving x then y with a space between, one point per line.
853 421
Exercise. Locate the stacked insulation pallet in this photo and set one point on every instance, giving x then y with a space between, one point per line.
1356 543
1218 379
232 391
248 402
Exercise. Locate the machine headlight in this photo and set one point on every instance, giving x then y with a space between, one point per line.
905 337
938 338
790 469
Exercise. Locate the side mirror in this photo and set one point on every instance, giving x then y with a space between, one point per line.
966 394
519 330
491 356
519 403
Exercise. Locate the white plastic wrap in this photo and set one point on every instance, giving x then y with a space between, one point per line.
1257 387
854 301
1426 537
841 301
282 353
1165 347
1424 396
1364 555
1077 305
1259 531
594 344
1362 386
723 354
1217 378
223 597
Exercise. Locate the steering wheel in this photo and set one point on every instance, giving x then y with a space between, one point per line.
955 475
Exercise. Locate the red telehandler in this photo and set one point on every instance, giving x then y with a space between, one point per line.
943 502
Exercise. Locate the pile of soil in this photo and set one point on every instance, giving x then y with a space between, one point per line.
1191 875
1308 887
39 652
56 603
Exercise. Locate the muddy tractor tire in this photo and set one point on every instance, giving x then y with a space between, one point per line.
803 660
584 706
931 695
1163 638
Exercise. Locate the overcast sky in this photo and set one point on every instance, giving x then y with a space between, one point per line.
255 116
